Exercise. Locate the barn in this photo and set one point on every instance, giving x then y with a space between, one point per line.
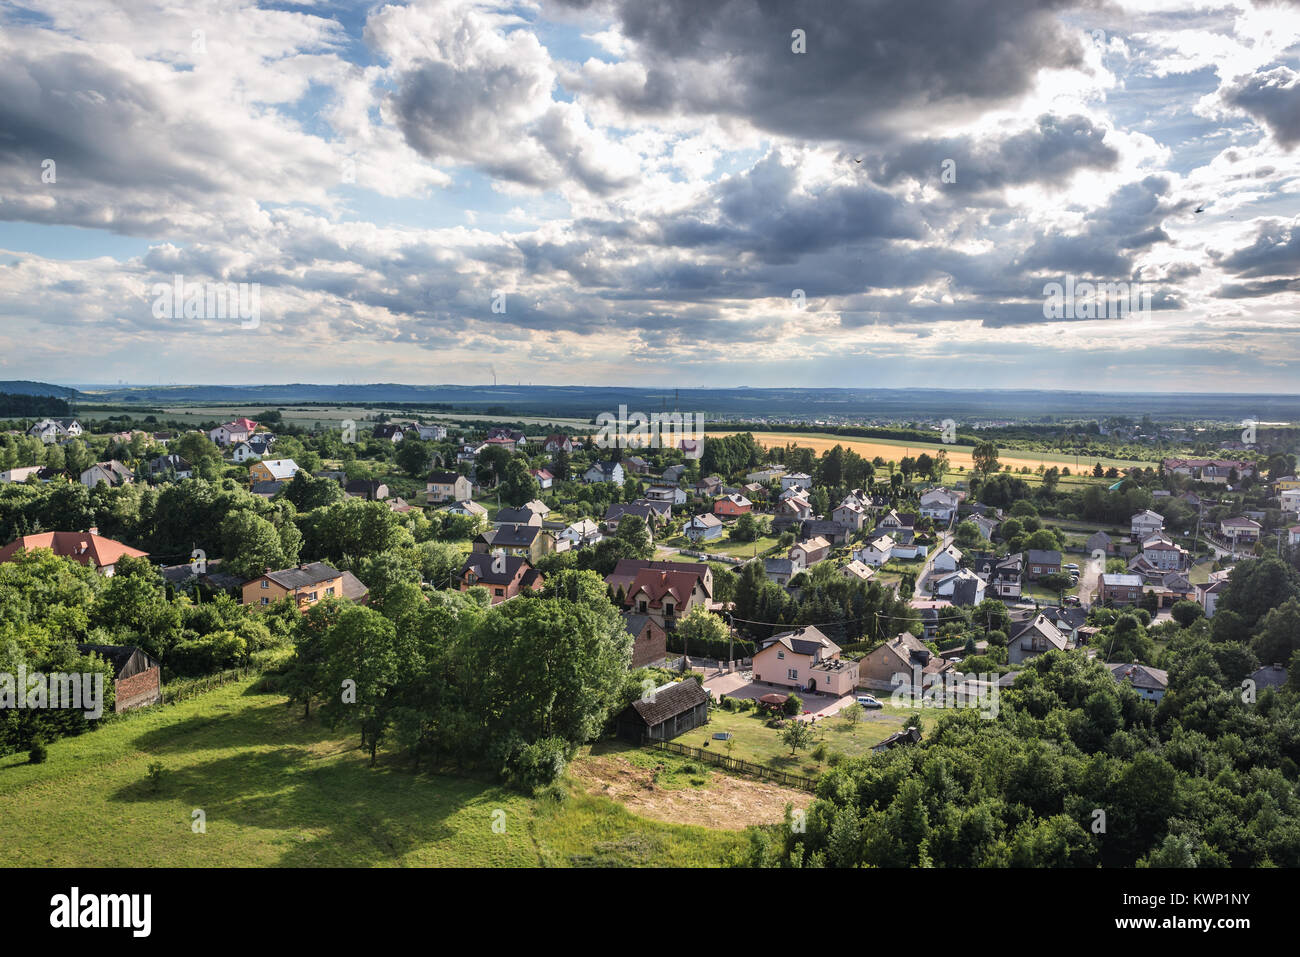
666 712
136 676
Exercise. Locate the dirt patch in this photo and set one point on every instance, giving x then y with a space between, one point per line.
728 802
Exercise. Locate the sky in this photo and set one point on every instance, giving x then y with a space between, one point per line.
652 192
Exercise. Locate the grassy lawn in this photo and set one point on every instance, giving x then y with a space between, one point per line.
725 546
278 791
756 742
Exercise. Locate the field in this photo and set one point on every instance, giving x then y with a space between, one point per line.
756 742
895 449
278 791
331 416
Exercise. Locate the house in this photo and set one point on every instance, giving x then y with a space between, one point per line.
544 477
832 531
243 452
272 470
893 520
765 475
447 487
232 433
810 552
791 479
1034 637
1099 542
790 511
1286 482
857 571
504 576
389 432
513 436
1290 500
111 472
1240 529
372 490
401 506
20 474
517 516
267 489
1214 471
1119 589
850 513
137 678
665 712
523 541
1002 576
876 552
1160 553
905 656
305 584
165 465
51 431
1069 620
431 433
1150 683
731 506
649 640
805 659
1293 535
1041 563
948 559
1207 595
781 570
672 494
578 535
1145 524
467 507
985 525
666 591
703 528
939 504
962 587
86 548
558 443
604 472
468 452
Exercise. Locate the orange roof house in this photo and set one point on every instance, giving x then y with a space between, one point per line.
88 548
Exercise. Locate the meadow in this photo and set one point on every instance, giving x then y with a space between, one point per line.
275 790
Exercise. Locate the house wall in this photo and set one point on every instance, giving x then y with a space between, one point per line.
138 690
649 647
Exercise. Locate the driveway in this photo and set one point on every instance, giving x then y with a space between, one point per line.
742 685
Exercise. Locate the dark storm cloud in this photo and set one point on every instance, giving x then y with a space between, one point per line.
867 61
1272 97
1048 153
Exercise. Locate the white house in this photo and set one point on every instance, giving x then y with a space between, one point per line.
791 479
604 472
876 552
939 504
581 533
673 494
704 527
948 560
1145 524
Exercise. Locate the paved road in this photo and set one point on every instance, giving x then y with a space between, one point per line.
922 580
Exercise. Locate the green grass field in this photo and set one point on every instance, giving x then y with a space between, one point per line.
756 742
278 791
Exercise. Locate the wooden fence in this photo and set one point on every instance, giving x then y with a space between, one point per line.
736 764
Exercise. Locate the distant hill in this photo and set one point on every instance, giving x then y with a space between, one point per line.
749 404
24 387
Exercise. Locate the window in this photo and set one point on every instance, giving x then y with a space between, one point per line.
265 583
265 600
793 674
330 590
781 655
499 592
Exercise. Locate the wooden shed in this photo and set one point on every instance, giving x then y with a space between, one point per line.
666 712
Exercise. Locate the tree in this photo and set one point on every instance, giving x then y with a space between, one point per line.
1185 612
362 666
491 465
797 734
852 714
414 457
251 545
632 533
985 457
702 628
519 486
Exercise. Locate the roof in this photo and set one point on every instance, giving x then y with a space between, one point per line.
511 536
84 547
1121 581
1270 676
707 520
481 564
627 570
668 701
1146 515
281 468
304 576
804 641
354 588
1139 675
444 478
515 516
119 656
1037 557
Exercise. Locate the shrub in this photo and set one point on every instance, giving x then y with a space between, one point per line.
538 764
793 705
155 775
38 753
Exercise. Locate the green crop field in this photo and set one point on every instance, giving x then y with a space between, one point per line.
280 791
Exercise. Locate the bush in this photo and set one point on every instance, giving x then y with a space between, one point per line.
38 753
538 764
793 705
155 775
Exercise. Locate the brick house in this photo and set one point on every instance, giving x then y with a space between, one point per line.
504 576
649 640
731 506
1119 589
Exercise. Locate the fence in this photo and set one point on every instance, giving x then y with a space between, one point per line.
736 764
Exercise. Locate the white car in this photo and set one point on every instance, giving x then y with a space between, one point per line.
867 701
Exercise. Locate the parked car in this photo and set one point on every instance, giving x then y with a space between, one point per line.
1072 566
867 701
